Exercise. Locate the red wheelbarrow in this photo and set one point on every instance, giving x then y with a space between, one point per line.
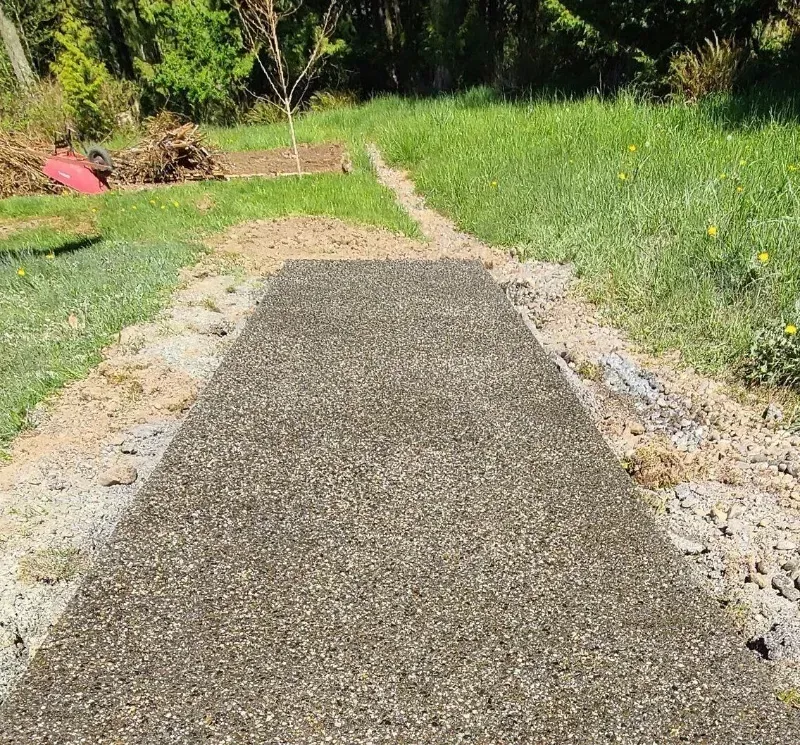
86 174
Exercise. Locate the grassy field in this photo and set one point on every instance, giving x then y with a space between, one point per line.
111 261
683 222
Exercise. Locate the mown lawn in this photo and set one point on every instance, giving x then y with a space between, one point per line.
112 260
683 222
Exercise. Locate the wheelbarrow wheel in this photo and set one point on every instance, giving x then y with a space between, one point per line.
100 156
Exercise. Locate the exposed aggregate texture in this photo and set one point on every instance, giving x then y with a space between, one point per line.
388 520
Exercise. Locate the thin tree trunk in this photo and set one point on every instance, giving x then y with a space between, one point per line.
295 151
388 25
19 62
117 38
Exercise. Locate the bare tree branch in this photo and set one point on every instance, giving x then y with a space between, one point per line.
261 20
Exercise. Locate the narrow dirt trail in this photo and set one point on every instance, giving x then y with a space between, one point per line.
438 229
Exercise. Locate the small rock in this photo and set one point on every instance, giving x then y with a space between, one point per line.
635 428
735 527
735 511
118 475
687 545
758 458
759 579
786 587
790 565
785 545
689 502
719 515
220 328
764 566
130 447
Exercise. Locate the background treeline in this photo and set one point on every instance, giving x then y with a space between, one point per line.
102 64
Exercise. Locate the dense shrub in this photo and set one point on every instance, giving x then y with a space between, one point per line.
41 111
203 67
330 100
82 78
713 68
264 112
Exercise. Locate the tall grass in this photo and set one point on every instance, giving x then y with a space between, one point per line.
663 209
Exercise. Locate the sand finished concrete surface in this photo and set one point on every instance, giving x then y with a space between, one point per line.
388 520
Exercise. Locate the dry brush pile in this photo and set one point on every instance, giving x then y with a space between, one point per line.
169 151
21 162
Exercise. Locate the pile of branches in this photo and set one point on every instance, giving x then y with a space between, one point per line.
21 162
171 150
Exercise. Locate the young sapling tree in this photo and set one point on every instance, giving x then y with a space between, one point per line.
261 22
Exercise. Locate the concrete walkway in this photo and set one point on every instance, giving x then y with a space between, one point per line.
388 521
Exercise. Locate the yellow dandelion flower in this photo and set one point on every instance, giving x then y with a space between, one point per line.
163 206
493 184
742 163
50 256
94 209
791 329
723 176
739 189
791 167
632 148
134 207
763 257
622 176
712 231
175 204
21 272
152 201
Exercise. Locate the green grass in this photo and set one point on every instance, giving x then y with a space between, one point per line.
640 244
115 258
540 177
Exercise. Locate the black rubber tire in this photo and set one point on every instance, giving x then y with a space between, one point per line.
99 155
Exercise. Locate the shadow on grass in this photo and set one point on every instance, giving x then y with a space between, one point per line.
65 246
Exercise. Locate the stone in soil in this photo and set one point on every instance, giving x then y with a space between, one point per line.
118 475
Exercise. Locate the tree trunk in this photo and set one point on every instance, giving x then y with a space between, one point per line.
19 62
117 37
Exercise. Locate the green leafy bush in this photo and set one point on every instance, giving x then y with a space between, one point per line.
775 357
264 112
330 100
204 66
713 68
82 78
